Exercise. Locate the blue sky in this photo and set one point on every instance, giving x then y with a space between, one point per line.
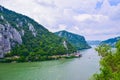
94 19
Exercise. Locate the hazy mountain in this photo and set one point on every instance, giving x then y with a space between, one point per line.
24 37
111 41
94 42
77 41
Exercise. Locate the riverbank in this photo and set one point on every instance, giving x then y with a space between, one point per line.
63 69
15 59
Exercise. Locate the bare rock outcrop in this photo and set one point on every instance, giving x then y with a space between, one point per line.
9 36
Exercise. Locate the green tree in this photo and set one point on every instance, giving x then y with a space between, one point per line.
109 63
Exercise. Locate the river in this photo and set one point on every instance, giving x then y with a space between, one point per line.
66 69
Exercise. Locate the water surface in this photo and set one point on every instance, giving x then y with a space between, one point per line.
66 69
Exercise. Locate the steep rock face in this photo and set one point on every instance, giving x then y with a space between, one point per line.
22 36
65 44
31 28
76 40
9 36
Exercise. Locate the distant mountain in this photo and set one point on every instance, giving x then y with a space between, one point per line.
23 37
97 42
77 41
111 41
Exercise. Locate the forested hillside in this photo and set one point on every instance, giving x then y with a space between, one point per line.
23 37
76 40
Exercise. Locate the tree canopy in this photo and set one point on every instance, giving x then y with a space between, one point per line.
109 63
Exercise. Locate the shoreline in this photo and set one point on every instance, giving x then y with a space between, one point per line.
17 59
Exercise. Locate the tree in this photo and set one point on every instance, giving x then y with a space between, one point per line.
109 63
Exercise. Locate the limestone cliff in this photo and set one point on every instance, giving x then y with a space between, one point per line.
23 36
9 36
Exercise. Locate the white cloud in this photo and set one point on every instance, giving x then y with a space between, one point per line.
85 17
76 28
78 16
82 17
62 27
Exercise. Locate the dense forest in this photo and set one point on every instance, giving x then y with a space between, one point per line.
76 40
37 43
109 63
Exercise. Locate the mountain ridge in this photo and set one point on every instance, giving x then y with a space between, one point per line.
76 40
22 36
111 41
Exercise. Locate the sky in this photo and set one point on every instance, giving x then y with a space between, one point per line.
93 19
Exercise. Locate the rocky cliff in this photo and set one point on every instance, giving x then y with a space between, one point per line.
22 36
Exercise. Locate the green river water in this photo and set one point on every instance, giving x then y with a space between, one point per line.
66 69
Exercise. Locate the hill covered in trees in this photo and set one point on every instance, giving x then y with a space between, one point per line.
77 41
27 40
111 41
